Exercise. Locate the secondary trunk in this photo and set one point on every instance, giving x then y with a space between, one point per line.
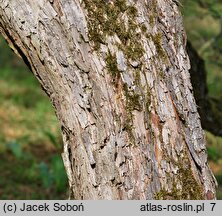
117 75
209 108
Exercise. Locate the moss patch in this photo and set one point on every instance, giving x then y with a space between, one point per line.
133 102
191 189
106 19
153 10
157 39
133 99
119 18
112 65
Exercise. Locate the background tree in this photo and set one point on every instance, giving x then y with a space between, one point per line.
203 24
117 75
206 56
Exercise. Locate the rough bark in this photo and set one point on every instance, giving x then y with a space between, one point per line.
117 75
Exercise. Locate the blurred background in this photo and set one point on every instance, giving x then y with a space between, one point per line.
30 140
203 24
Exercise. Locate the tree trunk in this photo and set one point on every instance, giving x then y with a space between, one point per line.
117 75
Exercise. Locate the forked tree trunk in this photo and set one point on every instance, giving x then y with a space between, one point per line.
117 75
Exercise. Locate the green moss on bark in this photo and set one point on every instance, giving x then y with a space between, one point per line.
190 187
106 19
133 100
152 12
157 39
112 65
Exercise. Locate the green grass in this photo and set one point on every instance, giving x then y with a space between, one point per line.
25 112
30 140
214 147
28 177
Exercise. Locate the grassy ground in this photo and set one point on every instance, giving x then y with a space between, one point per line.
214 146
30 141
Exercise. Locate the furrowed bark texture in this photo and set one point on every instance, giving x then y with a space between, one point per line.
117 75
